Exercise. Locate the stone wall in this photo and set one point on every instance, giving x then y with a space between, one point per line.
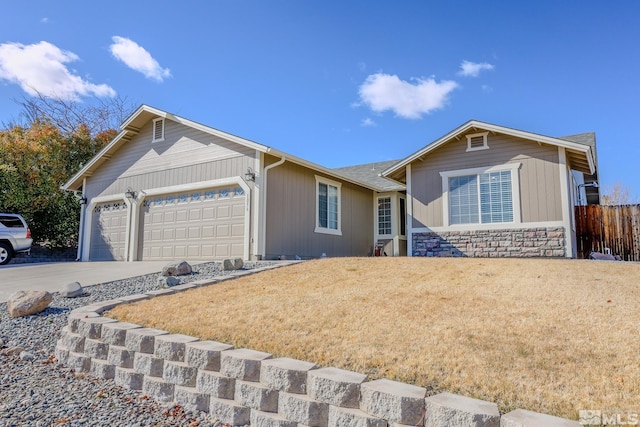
516 243
244 386
44 254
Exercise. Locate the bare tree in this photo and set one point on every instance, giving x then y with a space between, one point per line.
98 116
618 194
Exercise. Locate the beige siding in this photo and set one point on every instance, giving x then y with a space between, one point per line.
291 217
539 177
186 155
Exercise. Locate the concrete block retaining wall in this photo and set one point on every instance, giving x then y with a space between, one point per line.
244 386
514 243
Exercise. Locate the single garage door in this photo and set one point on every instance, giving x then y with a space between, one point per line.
198 225
108 228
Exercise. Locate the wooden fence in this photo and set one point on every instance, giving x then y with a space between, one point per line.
614 227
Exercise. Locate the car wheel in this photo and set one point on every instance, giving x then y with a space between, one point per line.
5 253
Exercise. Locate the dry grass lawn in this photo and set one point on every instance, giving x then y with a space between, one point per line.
552 336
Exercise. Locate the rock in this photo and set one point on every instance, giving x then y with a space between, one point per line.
232 264
167 281
23 303
181 268
29 357
12 351
71 290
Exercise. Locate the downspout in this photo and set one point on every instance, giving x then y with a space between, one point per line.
80 196
263 207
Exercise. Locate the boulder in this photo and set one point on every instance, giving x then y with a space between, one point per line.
181 268
232 264
167 281
12 351
23 303
71 290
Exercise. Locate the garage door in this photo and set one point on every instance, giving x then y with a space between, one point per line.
108 227
198 225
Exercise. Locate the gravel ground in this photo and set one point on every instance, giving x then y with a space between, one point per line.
36 391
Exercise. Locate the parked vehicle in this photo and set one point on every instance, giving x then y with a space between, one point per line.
15 236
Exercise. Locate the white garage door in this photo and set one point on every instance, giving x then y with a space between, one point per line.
108 227
197 225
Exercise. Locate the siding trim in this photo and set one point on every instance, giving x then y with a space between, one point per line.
409 207
566 201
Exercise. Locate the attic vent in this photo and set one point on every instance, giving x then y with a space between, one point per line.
158 130
477 141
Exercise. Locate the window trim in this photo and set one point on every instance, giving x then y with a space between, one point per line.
391 217
484 135
338 186
515 192
153 130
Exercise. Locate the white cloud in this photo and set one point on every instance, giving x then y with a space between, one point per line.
40 69
472 69
382 92
44 20
137 58
368 122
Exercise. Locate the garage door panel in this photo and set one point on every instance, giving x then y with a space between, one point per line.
223 212
208 213
237 230
196 225
108 228
195 232
237 250
238 211
182 215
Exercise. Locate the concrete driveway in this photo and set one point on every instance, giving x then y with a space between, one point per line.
51 276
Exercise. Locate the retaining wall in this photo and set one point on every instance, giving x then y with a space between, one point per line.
244 386
510 243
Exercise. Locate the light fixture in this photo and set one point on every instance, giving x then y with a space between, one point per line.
130 194
250 175
83 200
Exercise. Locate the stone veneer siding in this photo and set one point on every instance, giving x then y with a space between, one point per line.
516 243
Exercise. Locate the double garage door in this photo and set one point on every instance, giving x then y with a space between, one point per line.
196 225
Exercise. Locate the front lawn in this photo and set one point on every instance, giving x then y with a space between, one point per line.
552 336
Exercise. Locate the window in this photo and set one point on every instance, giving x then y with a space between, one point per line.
403 217
481 196
384 215
477 141
158 130
327 206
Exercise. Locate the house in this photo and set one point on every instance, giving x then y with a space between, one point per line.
170 188
487 190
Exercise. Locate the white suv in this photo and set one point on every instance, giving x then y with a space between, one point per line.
15 236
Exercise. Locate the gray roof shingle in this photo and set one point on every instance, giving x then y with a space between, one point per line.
369 173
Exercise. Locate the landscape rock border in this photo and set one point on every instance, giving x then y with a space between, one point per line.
242 386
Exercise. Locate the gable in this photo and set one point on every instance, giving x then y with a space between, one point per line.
580 156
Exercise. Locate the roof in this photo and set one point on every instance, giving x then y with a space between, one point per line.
580 155
370 173
589 138
134 123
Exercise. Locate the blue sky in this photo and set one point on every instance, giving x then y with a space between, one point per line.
344 82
